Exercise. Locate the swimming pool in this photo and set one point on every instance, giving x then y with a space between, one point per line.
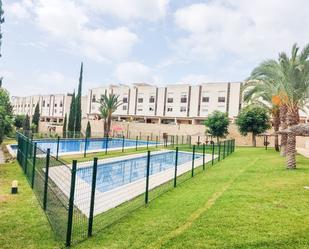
122 179
115 174
74 146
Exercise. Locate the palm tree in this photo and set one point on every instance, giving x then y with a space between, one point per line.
109 104
264 93
291 77
295 85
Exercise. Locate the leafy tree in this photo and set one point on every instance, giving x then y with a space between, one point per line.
254 120
109 103
88 130
64 127
78 111
6 117
217 124
36 117
1 21
71 123
265 93
26 124
19 120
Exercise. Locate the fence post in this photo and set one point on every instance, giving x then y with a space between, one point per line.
26 155
46 179
58 141
33 164
219 151
85 149
147 142
136 142
176 140
204 156
147 177
71 204
198 141
181 139
122 143
190 141
223 149
93 186
193 156
212 152
176 164
156 141
106 144
173 143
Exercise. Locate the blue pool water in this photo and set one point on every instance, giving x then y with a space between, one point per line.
115 174
78 145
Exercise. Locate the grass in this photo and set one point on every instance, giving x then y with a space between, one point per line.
249 200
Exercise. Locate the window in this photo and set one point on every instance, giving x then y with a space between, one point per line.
170 98
33 105
125 99
43 103
221 96
55 104
183 98
169 109
183 109
124 107
55 110
152 98
221 99
47 104
140 100
93 98
61 104
205 99
151 108
28 105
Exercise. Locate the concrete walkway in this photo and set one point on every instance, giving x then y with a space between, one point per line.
303 151
2 160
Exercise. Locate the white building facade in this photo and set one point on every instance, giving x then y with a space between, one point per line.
180 104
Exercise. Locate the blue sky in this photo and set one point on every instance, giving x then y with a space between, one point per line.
155 41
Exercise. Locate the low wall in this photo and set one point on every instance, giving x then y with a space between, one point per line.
181 129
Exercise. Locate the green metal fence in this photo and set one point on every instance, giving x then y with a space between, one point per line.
81 199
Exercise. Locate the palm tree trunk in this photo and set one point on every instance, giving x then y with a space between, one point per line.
292 119
109 123
276 124
283 114
291 152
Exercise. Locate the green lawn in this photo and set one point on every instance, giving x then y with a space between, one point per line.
249 200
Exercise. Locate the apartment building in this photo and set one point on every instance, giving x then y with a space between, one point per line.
52 107
179 104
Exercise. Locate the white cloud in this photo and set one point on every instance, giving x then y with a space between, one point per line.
247 29
135 72
151 10
18 9
68 24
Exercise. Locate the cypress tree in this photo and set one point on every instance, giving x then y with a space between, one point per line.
36 117
64 127
71 123
26 124
78 113
88 130
1 21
